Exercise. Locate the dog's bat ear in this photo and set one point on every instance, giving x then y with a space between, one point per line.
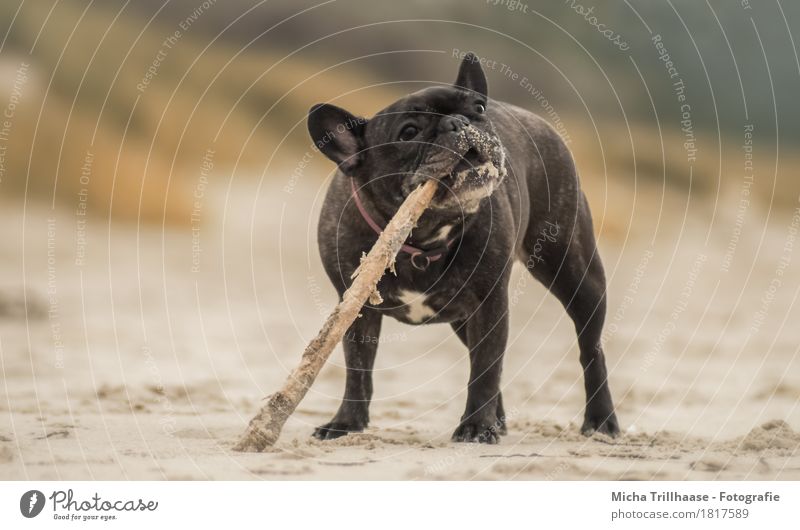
471 76
338 134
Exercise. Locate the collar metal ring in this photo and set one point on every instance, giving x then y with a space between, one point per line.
418 266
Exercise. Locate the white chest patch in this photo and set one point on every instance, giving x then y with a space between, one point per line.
441 234
414 302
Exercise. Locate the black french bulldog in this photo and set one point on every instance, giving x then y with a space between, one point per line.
508 190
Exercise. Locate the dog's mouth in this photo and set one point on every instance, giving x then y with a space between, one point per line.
476 173
469 167
469 160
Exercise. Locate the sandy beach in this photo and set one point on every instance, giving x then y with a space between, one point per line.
146 358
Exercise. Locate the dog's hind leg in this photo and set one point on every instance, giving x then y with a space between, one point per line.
563 256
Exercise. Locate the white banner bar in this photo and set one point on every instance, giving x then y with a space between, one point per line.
388 505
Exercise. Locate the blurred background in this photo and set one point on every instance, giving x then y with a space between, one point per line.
148 87
159 196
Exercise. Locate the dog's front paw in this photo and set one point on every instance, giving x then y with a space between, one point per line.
605 423
477 431
335 429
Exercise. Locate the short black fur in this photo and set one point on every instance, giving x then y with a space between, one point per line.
525 204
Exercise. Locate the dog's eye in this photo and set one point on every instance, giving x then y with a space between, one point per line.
480 108
408 133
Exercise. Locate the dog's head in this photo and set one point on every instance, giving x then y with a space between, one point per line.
440 132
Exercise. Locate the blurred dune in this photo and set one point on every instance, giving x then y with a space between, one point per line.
124 106
88 110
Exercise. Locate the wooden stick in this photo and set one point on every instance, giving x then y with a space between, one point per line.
266 426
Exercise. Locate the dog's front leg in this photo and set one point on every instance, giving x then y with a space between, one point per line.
486 337
360 346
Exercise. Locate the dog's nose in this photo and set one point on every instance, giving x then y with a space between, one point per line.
452 123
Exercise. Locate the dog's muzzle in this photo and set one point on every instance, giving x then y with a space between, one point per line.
469 167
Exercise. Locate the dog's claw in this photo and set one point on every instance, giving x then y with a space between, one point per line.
334 429
502 430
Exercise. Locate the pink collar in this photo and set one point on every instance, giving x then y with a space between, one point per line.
429 256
